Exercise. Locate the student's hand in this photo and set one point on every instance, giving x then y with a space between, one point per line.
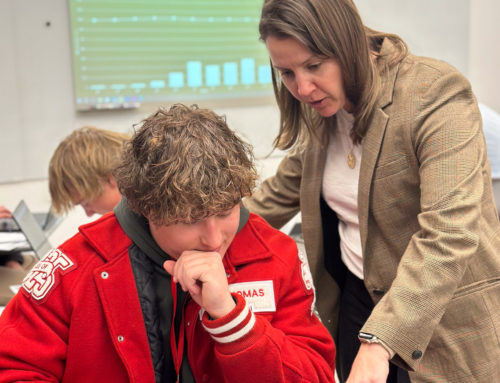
202 274
14 265
371 365
4 212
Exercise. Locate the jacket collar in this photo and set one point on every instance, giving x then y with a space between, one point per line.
388 76
248 245
106 236
137 228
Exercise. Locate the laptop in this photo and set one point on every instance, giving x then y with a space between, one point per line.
48 222
35 239
32 230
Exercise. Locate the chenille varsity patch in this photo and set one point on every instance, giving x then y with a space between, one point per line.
259 295
306 273
45 275
307 278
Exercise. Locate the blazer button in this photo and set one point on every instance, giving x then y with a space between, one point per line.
417 354
104 275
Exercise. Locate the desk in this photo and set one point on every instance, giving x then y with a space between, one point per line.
13 241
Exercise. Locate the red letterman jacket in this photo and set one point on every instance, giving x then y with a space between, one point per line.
77 317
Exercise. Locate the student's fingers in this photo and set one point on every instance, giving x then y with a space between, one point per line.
179 275
169 268
4 212
204 276
191 272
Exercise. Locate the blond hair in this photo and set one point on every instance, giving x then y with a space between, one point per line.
184 164
81 163
330 29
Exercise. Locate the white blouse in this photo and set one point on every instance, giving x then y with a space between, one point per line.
340 190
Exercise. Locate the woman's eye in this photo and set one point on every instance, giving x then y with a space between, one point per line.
314 66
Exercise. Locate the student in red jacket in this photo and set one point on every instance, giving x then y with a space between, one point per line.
180 283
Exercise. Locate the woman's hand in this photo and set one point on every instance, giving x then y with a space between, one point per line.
371 365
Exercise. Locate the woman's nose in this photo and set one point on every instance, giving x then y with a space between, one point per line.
304 86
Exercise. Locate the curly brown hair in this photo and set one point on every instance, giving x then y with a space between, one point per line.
184 164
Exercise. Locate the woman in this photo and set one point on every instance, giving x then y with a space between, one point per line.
388 168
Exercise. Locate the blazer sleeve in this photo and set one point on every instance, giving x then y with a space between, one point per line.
449 146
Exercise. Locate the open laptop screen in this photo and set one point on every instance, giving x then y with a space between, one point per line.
31 229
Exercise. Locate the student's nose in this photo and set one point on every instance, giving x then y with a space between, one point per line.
211 237
90 212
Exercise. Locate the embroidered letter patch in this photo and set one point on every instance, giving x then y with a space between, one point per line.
307 278
43 277
306 272
259 295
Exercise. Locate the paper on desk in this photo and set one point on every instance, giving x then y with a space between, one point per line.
12 240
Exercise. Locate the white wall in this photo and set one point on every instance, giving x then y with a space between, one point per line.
484 51
36 96
36 101
465 33
434 28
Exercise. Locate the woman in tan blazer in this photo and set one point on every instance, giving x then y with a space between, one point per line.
415 271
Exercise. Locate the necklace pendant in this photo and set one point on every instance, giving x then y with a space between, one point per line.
351 160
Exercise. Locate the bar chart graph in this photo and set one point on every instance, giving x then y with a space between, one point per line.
130 52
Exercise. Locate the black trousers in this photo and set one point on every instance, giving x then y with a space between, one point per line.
355 307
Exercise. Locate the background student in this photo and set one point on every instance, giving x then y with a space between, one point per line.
80 171
388 167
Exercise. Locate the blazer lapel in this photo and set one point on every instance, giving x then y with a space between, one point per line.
372 143
371 150
310 191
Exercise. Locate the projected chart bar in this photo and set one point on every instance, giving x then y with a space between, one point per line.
248 71
170 51
212 75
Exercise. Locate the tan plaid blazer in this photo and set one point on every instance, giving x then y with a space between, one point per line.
429 228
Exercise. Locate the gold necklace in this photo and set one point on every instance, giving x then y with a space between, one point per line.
351 159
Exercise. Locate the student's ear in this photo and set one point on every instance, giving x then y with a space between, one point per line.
112 182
